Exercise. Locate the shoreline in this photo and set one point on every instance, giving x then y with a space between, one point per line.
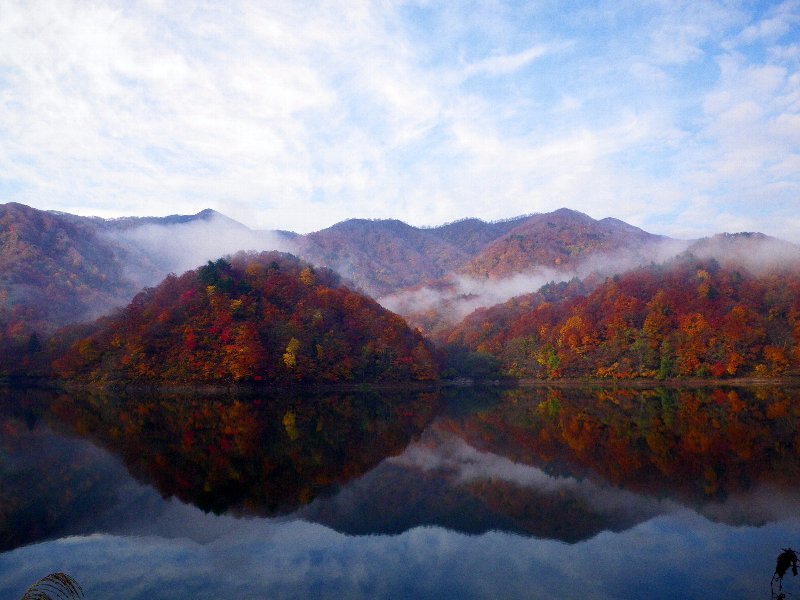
421 386
700 382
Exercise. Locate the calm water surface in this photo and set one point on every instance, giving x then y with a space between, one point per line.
527 493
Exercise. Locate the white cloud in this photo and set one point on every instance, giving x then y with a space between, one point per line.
501 64
780 20
302 114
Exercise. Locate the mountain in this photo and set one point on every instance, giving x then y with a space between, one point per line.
152 247
690 316
378 257
53 270
382 256
559 240
386 257
125 223
256 317
529 253
59 268
473 235
156 247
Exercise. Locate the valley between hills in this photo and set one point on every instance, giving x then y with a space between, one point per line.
191 299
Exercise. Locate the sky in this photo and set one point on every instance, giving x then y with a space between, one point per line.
682 118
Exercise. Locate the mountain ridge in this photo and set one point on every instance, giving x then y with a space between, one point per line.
60 268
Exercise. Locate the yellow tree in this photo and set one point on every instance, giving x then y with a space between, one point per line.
290 356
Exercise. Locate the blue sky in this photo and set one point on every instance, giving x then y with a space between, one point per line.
679 117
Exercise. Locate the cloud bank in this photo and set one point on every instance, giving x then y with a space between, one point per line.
462 294
175 248
681 118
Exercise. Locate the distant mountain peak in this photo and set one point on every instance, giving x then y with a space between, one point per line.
126 223
568 212
121 223
368 224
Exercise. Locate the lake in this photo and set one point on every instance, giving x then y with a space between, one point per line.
456 493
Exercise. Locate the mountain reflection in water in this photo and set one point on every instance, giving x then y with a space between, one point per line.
560 464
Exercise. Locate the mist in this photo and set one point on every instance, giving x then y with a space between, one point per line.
459 295
755 252
155 250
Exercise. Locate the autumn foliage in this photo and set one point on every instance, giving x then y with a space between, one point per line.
256 317
686 318
52 272
559 240
262 455
693 445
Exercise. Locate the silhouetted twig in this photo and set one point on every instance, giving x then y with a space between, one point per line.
56 586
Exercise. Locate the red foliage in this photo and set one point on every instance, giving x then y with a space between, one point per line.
688 318
259 317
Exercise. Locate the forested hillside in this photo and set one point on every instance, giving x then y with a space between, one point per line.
727 307
52 272
559 240
384 257
690 317
381 256
58 268
257 317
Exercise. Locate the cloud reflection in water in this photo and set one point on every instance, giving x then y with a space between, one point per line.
679 555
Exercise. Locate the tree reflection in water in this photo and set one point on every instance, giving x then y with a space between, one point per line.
556 463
